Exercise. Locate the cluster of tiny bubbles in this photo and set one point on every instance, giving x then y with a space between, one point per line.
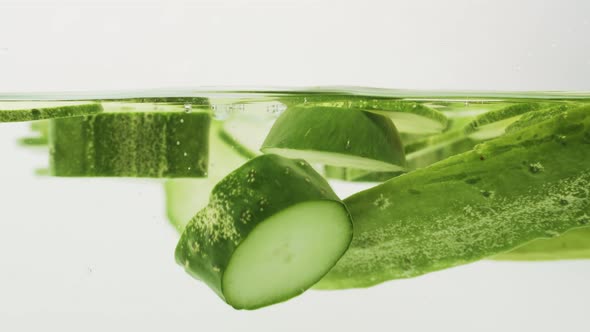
188 108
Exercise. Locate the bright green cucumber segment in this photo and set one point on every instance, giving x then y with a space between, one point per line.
185 197
130 144
408 116
574 244
503 194
271 230
14 111
338 137
493 124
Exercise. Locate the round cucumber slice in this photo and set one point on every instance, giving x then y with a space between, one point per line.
14 111
493 124
338 137
131 144
408 116
271 230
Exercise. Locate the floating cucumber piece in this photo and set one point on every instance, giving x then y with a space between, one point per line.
133 144
13 111
271 230
503 194
408 116
493 124
532 118
574 244
338 137
355 174
185 197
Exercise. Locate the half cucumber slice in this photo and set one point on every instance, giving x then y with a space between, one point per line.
14 111
338 137
131 144
501 195
271 230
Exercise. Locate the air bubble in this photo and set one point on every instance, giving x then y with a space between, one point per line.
287 171
188 108
348 144
177 142
181 120
185 154
536 168
307 180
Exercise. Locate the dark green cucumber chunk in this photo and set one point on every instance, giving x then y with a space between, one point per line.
14 111
130 144
338 137
271 230
531 184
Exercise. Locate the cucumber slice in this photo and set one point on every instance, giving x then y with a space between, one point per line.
263 237
408 116
337 136
493 124
14 111
185 197
503 194
133 144
574 244
358 175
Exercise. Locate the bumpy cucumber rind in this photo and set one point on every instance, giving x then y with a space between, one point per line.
130 144
47 111
259 189
339 137
509 191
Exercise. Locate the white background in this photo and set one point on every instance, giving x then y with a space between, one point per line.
97 254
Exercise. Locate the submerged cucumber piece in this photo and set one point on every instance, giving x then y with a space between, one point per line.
133 144
338 137
185 197
41 135
408 116
271 230
503 194
574 244
14 111
493 124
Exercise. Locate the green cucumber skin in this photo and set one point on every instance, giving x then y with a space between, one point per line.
257 190
49 112
502 114
349 132
471 206
133 144
574 244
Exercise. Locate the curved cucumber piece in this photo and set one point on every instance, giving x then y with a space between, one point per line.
408 116
531 118
493 124
338 137
574 244
503 194
14 111
262 238
130 144
355 174
185 197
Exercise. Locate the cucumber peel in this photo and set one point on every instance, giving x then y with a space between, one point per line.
262 237
493 124
503 194
16 111
130 144
574 244
338 137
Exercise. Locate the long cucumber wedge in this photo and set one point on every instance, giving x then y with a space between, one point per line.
130 144
338 137
271 230
574 244
493 124
14 111
503 194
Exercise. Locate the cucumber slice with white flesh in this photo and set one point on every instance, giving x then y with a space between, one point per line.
15 111
185 197
131 144
501 195
271 230
408 116
493 124
338 137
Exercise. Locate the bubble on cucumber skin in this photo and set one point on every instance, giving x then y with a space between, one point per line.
251 176
536 168
382 202
347 144
287 171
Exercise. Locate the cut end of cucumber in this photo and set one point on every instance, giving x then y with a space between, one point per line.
286 254
336 159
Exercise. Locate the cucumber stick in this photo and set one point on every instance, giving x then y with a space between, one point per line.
493 124
133 144
185 197
338 137
574 244
531 184
272 229
13 111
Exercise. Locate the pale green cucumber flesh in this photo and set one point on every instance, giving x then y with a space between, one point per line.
14 111
505 193
338 137
286 254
